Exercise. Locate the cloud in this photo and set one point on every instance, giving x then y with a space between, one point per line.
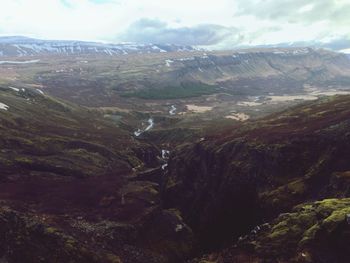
307 11
219 24
105 1
156 31
61 19
67 3
295 21
337 44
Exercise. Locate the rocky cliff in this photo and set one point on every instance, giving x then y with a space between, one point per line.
227 184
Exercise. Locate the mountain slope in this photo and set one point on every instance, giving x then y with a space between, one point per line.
164 76
251 82
70 187
228 183
38 130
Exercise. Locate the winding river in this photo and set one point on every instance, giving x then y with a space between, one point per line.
172 110
150 126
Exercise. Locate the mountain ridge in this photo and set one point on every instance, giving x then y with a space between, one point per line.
18 46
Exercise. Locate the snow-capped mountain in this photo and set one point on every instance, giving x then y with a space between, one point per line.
23 46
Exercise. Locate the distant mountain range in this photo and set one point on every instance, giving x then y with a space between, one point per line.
19 46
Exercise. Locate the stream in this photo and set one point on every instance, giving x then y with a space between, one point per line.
172 110
150 126
165 157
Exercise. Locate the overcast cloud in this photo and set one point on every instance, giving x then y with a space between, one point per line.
156 31
215 24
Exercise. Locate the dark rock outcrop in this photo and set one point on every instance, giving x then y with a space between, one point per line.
240 178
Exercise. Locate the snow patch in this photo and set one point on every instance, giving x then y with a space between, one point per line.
186 59
168 62
3 106
279 52
15 89
19 62
300 51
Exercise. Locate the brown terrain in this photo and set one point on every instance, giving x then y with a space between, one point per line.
187 156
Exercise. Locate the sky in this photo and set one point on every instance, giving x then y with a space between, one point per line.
215 24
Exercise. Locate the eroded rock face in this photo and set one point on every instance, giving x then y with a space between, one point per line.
310 232
213 201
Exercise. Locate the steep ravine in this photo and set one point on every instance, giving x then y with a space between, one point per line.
226 185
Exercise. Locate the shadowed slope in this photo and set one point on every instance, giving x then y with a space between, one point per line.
233 180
